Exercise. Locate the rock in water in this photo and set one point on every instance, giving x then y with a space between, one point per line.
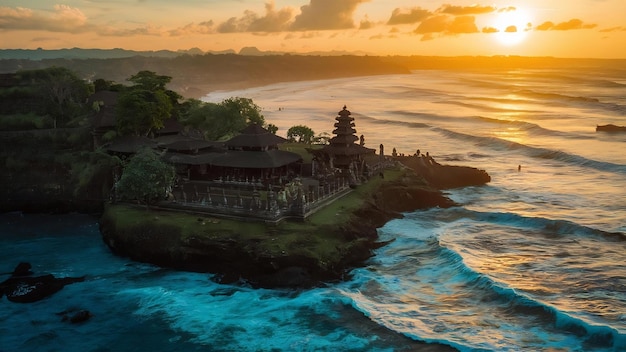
23 288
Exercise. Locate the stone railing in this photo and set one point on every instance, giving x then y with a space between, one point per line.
246 201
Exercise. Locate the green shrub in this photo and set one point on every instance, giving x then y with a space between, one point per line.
28 121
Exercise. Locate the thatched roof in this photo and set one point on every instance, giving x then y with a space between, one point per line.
344 139
170 126
254 136
130 144
189 144
188 159
256 159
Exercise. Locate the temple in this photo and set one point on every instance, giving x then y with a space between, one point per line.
250 177
342 154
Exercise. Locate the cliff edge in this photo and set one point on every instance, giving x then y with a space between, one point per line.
321 249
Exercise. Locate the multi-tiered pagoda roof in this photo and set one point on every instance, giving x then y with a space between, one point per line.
343 150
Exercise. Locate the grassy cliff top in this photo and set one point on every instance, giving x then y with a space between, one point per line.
318 239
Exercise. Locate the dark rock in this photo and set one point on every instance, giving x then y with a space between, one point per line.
610 128
22 269
290 277
23 288
75 316
234 259
445 176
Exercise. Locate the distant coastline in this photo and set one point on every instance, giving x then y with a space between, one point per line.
196 73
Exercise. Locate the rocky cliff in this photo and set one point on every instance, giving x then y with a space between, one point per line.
324 248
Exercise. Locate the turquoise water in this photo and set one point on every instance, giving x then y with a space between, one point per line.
532 261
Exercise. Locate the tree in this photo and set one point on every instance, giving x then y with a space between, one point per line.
220 121
322 138
62 92
271 128
101 84
143 107
149 80
300 134
245 108
141 111
146 178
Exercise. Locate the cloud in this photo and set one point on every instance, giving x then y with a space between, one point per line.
490 30
410 16
272 21
63 18
511 29
326 14
507 9
613 29
146 30
433 24
447 25
366 24
462 24
572 24
206 27
466 10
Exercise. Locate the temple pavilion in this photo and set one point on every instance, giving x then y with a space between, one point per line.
251 155
343 153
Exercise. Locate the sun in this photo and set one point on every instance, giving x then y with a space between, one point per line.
512 26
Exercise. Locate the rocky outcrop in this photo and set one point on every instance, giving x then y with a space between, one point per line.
232 256
445 176
610 128
22 287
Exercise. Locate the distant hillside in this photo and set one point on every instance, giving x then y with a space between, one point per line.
195 73
80 53
193 76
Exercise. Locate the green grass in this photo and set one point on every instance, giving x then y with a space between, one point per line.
300 148
295 239
314 238
26 121
340 211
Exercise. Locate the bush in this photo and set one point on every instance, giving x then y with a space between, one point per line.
28 121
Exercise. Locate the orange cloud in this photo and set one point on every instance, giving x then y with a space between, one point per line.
507 9
63 19
572 24
511 29
146 30
366 24
409 16
613 29
490 30
462 24
447 25
272 21
433 24
205 27
326 14
466 10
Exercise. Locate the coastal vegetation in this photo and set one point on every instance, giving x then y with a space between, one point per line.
56 168
285 254
46 123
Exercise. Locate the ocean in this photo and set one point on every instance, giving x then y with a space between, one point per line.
535 260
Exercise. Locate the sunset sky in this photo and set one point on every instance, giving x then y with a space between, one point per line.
572 28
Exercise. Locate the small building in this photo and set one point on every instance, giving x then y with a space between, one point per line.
342 154
254 154
251 155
